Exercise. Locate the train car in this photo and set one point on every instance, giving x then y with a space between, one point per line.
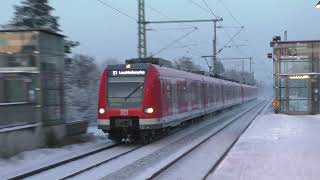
143 101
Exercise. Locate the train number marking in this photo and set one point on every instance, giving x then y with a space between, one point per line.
124 112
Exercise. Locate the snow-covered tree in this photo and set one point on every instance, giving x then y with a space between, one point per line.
186 64
81 81
111 61
220 67
35 14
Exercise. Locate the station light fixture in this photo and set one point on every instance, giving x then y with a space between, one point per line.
318 5
128 66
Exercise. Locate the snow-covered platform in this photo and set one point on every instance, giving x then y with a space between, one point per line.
275 147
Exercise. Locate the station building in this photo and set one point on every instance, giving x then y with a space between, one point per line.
31 90
296 76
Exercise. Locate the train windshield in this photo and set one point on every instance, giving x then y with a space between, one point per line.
125 92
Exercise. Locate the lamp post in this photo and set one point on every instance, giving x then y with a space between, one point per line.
318 5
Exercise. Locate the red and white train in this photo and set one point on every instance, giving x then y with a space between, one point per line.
141 101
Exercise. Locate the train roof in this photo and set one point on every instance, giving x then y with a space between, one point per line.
183 74
151 60
136 66
166 71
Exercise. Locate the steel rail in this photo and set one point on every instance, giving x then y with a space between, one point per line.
60 163
214 167
161 170
98 164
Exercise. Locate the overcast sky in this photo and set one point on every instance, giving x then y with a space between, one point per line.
104 33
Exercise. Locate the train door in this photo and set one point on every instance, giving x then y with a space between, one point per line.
222 94
295 95
168 95
204 100
210 95
189 95
182 96
174 94
217 95
242 93
198 95
163 98
234 93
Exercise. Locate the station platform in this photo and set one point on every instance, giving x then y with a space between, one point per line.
275 147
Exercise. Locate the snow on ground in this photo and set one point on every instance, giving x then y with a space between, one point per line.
98 133
30 158
275 147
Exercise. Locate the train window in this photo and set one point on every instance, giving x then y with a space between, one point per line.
125 91
169 87
126 79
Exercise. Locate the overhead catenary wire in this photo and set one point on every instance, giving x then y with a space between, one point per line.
199 6
168 17
177 40
167 29
158 12
107 3
229 12
163 14
231 40
189 49
211 11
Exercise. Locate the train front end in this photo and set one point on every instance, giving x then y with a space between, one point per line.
129 107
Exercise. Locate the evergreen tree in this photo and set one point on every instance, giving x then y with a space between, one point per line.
35 14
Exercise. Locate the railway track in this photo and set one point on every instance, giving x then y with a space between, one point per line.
36 171
162 168
87 162
102 162
144 166
214 167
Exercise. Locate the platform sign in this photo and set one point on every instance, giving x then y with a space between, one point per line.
296 50
297 77
117 73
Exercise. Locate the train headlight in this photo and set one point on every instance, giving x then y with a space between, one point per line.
148 110
102 111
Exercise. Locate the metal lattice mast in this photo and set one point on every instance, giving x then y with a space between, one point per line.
142 46
214 57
